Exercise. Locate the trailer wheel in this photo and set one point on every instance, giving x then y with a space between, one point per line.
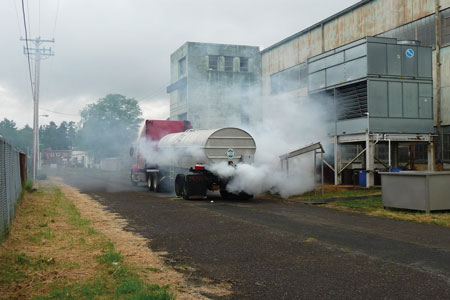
155 182
179 185
149 182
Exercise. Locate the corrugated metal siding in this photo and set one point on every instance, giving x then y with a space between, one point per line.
368 20
445 3
423 30
374 18
292 53
445 85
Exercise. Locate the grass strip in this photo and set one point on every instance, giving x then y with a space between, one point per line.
374 207
52 252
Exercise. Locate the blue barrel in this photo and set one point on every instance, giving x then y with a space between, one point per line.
362 178
396 170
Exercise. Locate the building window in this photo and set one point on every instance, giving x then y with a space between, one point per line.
349 152
382 152
182 67
290 79
446 144
182 117
243 64
421 152
229 63
212 65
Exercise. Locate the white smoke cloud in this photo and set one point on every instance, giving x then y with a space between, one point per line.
153 153
286 126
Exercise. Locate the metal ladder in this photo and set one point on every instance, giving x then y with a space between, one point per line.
172 172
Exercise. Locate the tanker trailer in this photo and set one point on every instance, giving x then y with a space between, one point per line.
192 150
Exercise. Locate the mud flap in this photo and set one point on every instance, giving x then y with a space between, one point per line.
195 187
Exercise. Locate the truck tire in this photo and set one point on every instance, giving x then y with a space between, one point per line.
179 185
150 182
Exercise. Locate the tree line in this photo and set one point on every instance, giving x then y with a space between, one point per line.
106 129
52 136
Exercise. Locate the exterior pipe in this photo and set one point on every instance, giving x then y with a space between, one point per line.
389 155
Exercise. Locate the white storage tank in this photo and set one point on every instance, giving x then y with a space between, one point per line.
209 146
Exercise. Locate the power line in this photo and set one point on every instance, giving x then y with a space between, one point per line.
57 112
39 18
50 67
56 18
155 92
28 17
27 52
17 16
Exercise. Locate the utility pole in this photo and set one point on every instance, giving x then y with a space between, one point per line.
39 53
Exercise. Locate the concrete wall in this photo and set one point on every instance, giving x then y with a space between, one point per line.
216 97
177 107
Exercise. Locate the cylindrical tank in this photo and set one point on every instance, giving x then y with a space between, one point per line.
208 146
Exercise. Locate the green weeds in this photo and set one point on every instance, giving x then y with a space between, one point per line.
367 204
110 256
28 186
337 194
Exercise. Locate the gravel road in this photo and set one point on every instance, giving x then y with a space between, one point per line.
273 250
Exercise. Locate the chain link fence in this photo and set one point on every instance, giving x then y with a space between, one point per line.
12 179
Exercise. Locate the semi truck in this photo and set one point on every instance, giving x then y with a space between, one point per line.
184 158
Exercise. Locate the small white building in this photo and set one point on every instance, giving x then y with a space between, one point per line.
81 159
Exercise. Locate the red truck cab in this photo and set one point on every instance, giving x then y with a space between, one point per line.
145 170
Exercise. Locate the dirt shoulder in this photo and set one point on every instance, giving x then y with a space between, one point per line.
65 244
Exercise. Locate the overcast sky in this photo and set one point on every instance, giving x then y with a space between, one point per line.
124 46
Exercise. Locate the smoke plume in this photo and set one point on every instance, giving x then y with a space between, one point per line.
287 126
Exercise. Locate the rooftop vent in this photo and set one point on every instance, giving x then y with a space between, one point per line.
409 42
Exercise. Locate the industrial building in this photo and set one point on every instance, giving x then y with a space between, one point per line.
382 68
212 85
